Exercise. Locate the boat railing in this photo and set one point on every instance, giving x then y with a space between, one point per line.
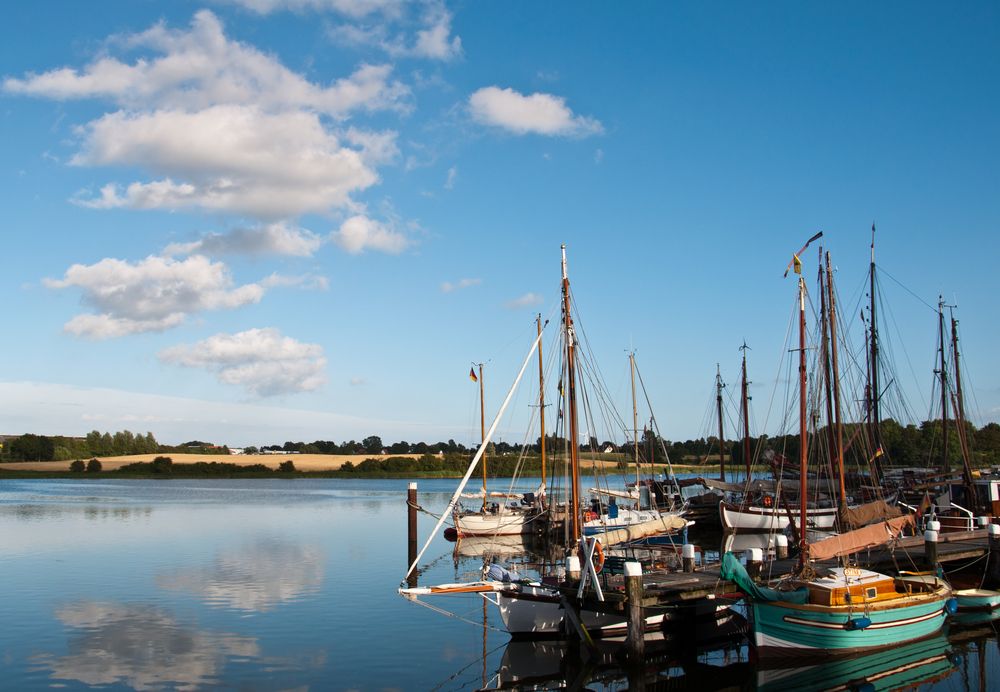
969 519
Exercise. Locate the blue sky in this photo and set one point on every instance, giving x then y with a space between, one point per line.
253 221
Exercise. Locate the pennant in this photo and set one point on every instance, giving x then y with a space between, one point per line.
472 375
795 258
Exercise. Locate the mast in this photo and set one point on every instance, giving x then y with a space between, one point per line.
827 378
744 400
875 392
838 425
635 419
960 419
718 406
803 433
574 452
482 428
943 374
541 396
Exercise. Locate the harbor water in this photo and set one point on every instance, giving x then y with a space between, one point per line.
292 585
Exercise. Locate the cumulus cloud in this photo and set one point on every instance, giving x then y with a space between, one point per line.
526 301
154 294
432 41
229 158
538 113
201 67
448 287
360 233
350 8
273 239
260 360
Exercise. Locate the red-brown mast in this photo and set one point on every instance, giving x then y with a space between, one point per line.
803 439
574 452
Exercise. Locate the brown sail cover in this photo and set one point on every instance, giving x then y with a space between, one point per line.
863 515
868 537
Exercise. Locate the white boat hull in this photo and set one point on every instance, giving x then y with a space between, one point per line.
752 518
503 523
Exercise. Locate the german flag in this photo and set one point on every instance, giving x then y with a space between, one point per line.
472 375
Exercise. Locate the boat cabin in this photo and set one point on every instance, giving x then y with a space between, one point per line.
851 586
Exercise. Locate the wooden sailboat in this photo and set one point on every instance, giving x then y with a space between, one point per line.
831 611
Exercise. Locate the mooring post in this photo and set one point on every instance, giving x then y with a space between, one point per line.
781 546
411 531
573 568
755 559
931 546
993 566
633 601
687 557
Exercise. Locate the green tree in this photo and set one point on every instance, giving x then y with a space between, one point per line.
31 447
94 466
286 466
162 466
372 444
77 466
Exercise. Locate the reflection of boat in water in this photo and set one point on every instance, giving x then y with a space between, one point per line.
904 667
497 546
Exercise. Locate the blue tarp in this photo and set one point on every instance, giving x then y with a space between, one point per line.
735 572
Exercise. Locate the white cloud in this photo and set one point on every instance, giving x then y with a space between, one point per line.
152 295
526 301
448 287
358 381
351 8
360 233
201 68
537 113
433 41
261 360
449 183
230 158
273 239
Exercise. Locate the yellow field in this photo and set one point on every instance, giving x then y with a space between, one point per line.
303 462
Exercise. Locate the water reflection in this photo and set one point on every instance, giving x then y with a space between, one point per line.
255 578
44 512
141 646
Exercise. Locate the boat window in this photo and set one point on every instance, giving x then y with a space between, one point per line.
871 592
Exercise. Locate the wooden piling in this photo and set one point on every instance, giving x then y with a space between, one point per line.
633 601
993 566
411 530
687 557
781 546
931 546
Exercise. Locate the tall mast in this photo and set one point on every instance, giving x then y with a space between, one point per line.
827 377
744 400
875 391
838 425
803 434
482 428
943 374
718 407
635 419
960 419
574 452
541 395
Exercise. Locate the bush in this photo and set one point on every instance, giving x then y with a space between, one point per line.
77 466
162 465
94 466
286 466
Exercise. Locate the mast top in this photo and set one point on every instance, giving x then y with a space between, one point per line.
565 276
873 242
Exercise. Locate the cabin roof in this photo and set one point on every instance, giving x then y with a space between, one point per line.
837 579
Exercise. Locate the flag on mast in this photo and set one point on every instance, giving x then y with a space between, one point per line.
472 375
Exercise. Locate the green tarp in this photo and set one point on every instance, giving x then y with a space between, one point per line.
737 573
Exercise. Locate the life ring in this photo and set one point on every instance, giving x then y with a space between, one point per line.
598 556
767 501
589 516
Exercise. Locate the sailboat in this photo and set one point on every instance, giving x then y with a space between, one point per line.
540 607
821 611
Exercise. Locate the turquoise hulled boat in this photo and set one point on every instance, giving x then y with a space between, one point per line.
977 600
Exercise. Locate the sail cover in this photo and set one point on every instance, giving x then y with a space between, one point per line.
854 541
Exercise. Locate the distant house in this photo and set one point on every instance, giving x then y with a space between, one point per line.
236 450
609 449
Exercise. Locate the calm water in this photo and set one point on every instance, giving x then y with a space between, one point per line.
291 585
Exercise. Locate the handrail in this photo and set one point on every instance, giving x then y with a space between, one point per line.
971 518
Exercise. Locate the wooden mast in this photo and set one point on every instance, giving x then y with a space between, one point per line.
838 425
803 433
960 419
875 392
635 419
574 452
943 374
718 407
744 400
482 428
827 367
541 396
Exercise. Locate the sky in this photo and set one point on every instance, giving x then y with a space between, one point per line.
252 221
